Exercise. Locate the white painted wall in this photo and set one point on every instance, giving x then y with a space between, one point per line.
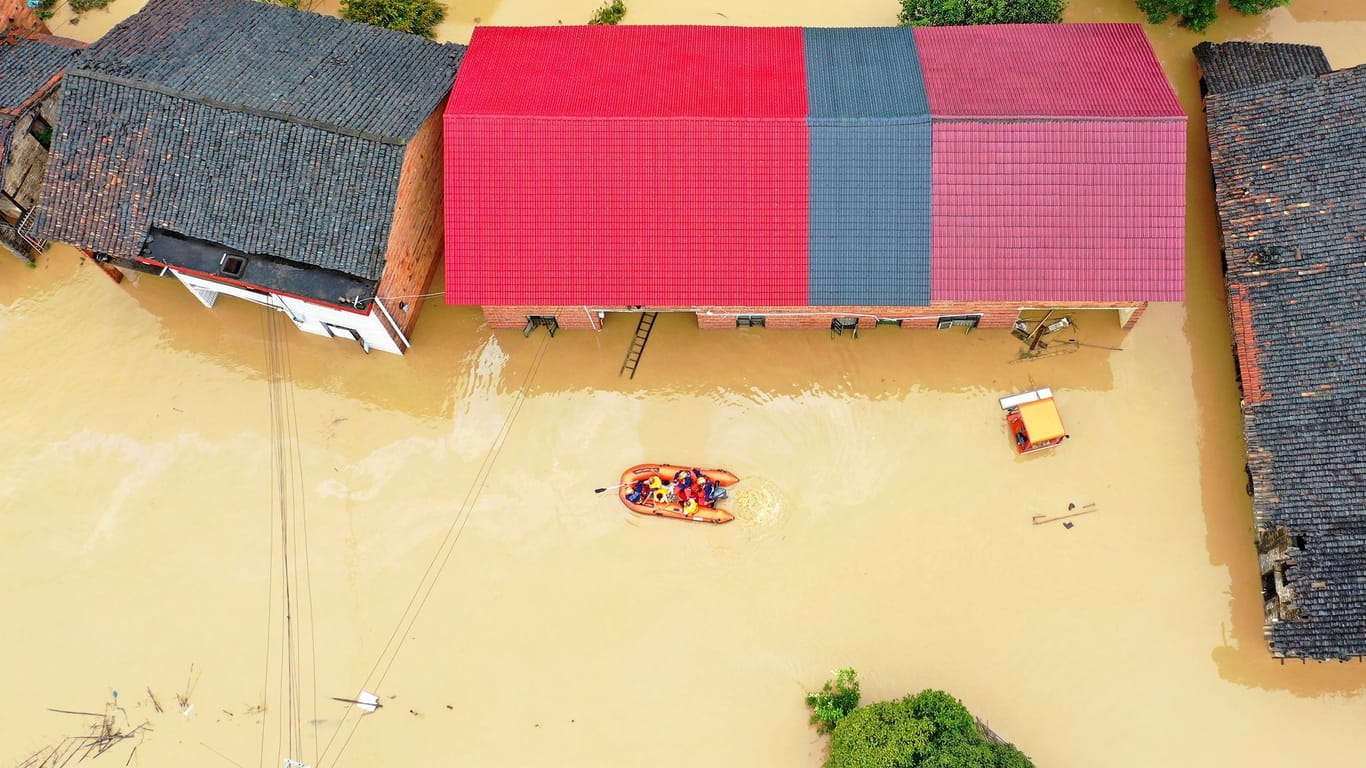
309 317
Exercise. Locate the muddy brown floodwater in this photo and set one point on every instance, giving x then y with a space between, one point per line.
884 522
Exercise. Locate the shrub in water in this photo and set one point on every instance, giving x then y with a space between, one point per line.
836 699
416 17
611 13
942 13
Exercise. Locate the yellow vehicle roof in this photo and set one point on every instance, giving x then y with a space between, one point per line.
1042 420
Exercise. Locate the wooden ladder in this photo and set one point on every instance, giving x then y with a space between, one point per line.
25 230
637 348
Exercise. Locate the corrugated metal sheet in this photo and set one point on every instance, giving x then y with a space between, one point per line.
1043 70
1059 211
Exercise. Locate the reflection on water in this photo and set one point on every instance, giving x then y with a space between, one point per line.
883 520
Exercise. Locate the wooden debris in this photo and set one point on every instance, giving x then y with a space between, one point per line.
155 703
1086 509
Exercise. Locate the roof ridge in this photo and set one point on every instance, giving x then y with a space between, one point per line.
1060 118
139 85
1287 83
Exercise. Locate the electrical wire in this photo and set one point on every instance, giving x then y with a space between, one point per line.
418 600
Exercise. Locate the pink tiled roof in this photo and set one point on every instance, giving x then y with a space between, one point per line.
602 71
1058 211
1043 70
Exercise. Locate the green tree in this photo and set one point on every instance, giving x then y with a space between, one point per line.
952 720
1198 14
416 17
928 730
940 13
1007 756
836 699
1254 7
611 12
882 735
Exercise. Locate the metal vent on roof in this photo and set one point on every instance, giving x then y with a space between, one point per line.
232 266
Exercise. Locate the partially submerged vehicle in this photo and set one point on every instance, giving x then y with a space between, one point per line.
666 490
1034 421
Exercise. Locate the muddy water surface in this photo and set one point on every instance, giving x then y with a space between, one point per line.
884 522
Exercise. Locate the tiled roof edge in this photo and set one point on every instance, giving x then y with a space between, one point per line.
41 93
239 108
591 118
1060 119
898 120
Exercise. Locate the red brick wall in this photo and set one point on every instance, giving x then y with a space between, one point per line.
1133 319
418 230
994 314
515 317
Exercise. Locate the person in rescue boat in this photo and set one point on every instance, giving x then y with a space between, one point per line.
659 492
638 492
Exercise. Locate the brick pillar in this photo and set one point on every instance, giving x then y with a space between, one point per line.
1133 318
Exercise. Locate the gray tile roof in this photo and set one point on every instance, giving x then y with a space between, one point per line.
268 130
27 64
1228 67
1287 161
869 217
259 58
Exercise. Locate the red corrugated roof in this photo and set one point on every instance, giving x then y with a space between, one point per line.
604 169
1043 70
1058 211
621 212
633 72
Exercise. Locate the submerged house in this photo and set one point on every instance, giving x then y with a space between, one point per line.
812 178
255 151
31 64
1287 136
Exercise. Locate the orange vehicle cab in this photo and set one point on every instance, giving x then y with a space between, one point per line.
1034 421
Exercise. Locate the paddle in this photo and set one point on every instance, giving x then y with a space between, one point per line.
609 488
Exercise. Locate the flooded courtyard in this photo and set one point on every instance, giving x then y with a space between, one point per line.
446 549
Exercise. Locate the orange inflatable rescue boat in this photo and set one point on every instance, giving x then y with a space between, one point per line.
679 492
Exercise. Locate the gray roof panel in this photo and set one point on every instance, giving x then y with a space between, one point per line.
869 219
863 73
